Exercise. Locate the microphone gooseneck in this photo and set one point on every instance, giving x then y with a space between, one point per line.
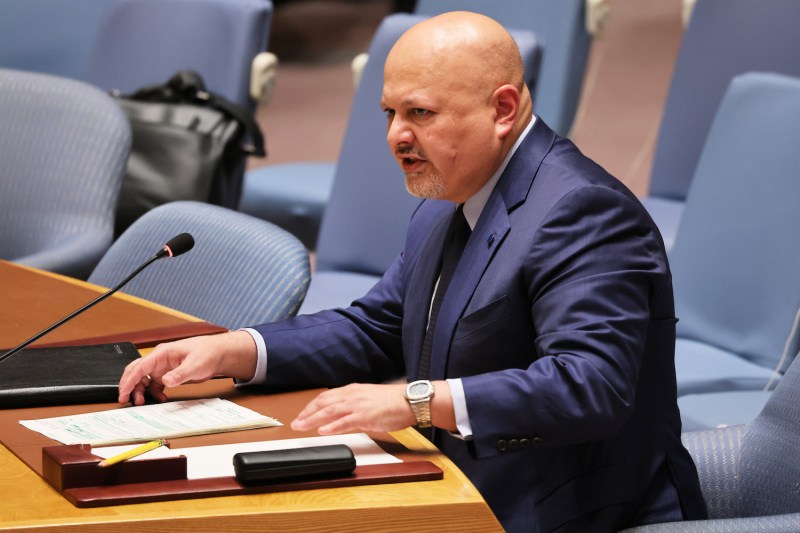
176 246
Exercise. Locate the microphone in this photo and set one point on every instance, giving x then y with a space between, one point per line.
176 246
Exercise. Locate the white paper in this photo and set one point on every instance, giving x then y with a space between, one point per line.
217 461
148 422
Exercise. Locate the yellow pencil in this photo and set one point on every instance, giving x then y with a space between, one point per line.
139 450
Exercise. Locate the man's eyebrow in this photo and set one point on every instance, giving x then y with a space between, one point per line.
408 101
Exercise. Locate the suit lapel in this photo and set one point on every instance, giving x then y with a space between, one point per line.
487 237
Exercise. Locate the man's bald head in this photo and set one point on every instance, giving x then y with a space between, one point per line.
468 46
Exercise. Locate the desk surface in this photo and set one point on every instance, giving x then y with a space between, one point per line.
450 504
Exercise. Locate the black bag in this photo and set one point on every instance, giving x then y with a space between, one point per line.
188 144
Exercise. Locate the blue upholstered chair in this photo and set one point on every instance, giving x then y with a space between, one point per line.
560 27
724 38
242 271
144 42
735 260
63 148
295 195
49 36
748 473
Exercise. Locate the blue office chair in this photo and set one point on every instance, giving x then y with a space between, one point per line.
63 148
560 27
724 38
295 195
145 42
748 473
735 262
242 271
49 36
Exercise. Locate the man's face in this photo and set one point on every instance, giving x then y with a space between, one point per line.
440 128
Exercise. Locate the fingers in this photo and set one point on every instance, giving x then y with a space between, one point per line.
322 412
148 373
189 360
356 407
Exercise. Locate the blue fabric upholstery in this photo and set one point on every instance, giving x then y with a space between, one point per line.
720 409
716 409
295 195
734 264
749 473
49 36
724 38
144 42
560 27
703 367
63 148
290 195
242 271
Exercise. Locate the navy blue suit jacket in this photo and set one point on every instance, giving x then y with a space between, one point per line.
560 322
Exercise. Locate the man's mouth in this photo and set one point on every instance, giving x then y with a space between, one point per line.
412 163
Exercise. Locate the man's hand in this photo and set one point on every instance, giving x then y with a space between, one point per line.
188 361
362 407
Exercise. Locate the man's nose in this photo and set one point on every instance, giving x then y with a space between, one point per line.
399 133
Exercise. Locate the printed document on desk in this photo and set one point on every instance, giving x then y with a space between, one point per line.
148 422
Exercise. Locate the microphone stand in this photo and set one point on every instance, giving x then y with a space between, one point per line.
72 315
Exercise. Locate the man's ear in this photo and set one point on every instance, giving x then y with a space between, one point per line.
506 100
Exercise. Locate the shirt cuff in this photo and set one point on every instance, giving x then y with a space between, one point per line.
460 408
260 376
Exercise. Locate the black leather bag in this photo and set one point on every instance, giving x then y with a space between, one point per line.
188 144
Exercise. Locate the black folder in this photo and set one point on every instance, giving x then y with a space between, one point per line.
68 375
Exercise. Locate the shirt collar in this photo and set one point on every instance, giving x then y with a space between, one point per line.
473 207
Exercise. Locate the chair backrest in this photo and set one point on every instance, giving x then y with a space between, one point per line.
242 270
560 27
63 148
735 260
724 38
49 36
144 42
364 225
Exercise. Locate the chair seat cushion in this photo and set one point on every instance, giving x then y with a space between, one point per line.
291 195
704 368
720 409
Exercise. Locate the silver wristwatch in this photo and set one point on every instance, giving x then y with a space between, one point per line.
419 394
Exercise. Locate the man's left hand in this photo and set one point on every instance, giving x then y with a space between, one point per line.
357 407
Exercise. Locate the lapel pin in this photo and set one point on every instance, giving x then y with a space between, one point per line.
490 241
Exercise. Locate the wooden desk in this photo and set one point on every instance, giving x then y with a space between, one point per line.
450 504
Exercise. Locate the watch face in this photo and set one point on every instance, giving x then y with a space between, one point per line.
418 389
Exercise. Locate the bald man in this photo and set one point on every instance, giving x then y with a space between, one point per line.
546 370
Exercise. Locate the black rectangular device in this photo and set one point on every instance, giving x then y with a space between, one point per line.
290 464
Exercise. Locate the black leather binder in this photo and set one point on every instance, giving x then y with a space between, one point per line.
67 375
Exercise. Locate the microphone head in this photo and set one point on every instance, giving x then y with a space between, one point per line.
178 245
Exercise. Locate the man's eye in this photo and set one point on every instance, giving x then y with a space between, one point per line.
389 113
419 112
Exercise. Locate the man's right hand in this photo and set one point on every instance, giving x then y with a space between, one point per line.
191 360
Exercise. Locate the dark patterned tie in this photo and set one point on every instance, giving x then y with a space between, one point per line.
455 241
